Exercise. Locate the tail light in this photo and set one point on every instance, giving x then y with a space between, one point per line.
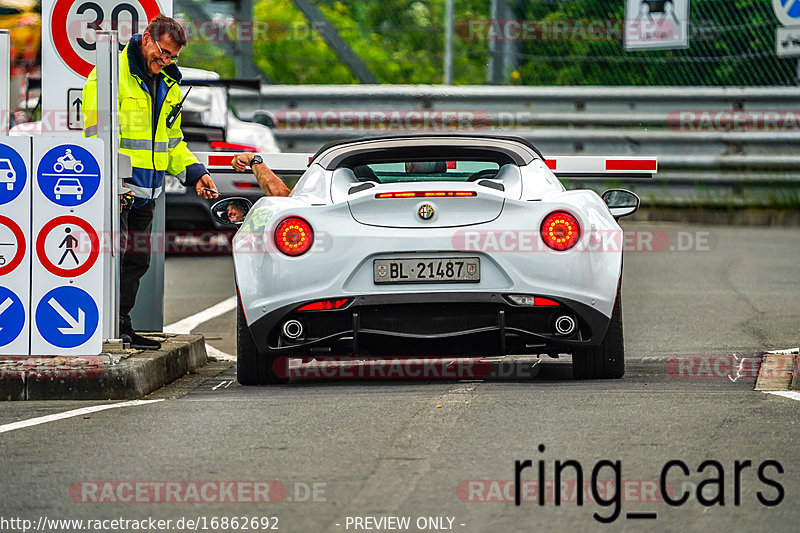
294 236
560 230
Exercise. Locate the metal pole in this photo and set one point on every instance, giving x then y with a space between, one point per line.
108 131
5 80
448 47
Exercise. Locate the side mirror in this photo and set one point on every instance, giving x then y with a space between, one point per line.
265 118
620 202
231 211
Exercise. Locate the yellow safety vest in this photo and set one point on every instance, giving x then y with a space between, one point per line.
153 150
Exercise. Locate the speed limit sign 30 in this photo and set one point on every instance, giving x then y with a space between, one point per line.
69 50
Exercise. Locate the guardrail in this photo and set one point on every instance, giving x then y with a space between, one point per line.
729 130
719 137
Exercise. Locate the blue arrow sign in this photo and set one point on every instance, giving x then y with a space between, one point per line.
66 317
12 316
12 174
791 8
68 175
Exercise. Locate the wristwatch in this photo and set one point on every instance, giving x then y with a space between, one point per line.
256 160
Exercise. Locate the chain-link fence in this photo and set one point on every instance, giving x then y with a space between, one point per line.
516 42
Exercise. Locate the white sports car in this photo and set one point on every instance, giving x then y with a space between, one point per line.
464 245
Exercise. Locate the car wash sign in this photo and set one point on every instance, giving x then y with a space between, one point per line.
656 24
69 247
69 50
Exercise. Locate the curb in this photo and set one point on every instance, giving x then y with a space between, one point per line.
116 374
779 371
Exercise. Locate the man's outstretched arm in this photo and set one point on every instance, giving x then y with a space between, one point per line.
271 184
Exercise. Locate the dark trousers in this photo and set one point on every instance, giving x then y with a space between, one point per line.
136 228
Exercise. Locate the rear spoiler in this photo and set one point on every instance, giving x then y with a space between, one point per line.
573 167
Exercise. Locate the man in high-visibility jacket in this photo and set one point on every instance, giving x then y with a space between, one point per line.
150 133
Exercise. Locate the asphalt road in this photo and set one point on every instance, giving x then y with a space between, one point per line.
342 455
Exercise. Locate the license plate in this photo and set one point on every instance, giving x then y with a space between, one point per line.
427 270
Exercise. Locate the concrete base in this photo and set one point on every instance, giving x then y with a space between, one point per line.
117 374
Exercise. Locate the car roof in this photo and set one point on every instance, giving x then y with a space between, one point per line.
426 146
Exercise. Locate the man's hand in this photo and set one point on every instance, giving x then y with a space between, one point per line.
205 188
241 161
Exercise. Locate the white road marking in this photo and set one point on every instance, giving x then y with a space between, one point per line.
219 355
785 394
188 324
69 414
788 351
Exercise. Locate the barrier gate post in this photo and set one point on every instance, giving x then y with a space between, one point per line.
108 131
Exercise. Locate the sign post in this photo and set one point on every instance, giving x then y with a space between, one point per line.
5 77
108 122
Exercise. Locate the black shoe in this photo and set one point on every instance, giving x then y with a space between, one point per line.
137 341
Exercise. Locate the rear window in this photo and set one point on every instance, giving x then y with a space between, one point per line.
423 171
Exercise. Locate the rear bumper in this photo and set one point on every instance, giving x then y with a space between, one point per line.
422 323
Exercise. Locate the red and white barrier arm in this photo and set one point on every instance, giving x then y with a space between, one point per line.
590 166
280 163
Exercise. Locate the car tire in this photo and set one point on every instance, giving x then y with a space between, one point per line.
252 367
606 361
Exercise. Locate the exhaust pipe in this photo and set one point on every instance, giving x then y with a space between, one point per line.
565 325
292 329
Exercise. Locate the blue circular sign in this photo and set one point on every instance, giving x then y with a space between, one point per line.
67 317
791 7
12 316
13 174
68 175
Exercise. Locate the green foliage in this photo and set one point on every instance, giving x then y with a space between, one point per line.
732 42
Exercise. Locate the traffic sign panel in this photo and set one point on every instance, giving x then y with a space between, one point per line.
15 250
12 245
67 246
69 48
74 24
13 174
787 11
74 105
67 317
12 316
68 175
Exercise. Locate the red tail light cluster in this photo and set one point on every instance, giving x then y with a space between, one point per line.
294 236
560 230
324 305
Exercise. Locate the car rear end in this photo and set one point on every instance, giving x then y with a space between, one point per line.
427 267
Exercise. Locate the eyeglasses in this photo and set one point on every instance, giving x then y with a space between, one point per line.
165 55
